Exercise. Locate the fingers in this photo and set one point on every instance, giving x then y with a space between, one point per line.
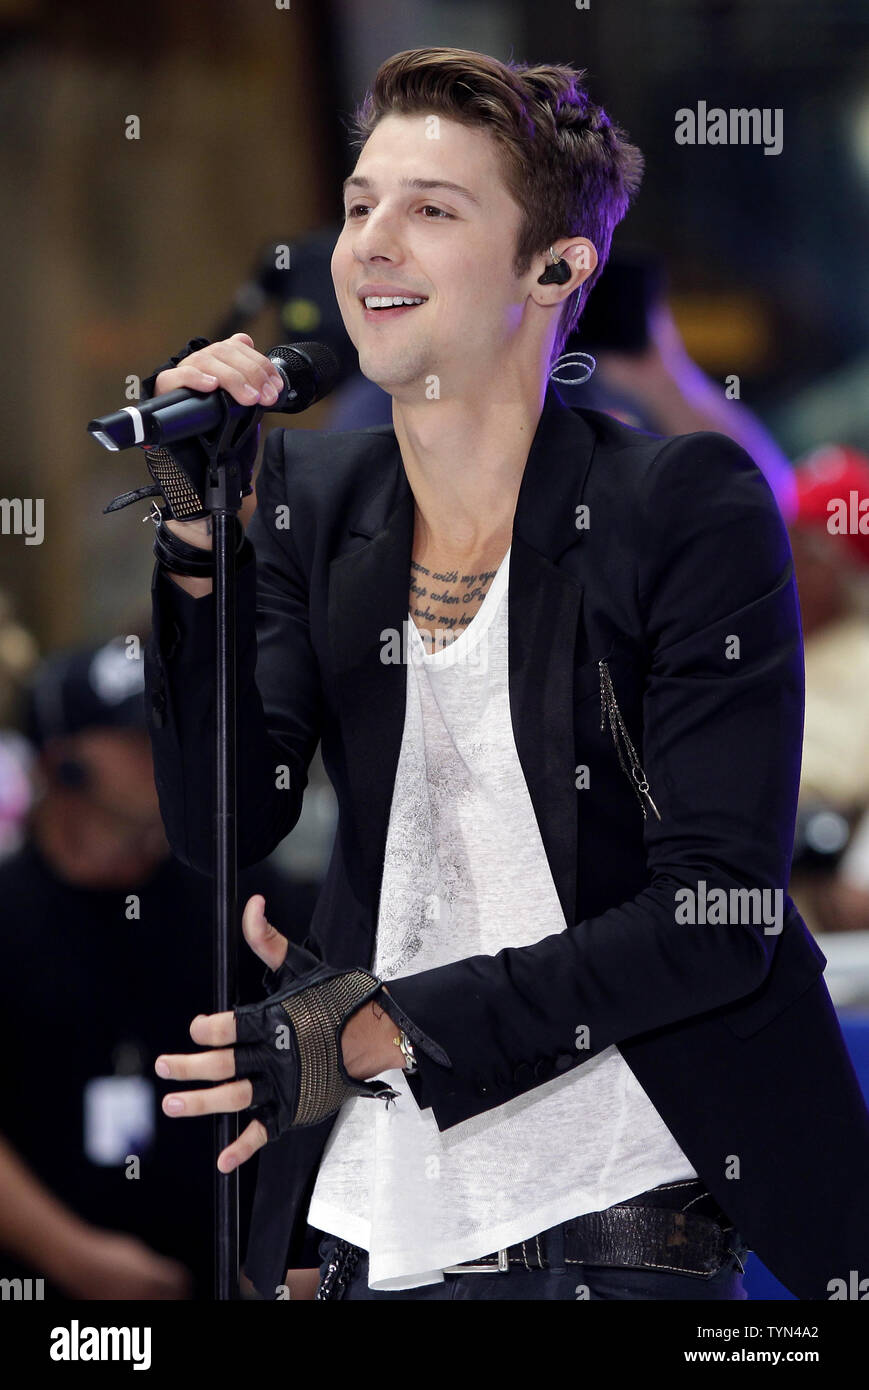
264 939
197 1066
186 374
233 364
235 1095
246 374
244 1147
213 1030
217 1065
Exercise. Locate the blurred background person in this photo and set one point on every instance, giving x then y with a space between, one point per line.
18 656
830 882
105 940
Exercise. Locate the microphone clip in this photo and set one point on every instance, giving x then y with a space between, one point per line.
223 477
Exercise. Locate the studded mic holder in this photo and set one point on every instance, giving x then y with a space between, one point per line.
186 473
289 1045
187 476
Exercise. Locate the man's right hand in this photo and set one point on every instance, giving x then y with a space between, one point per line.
241 374
245 374
233 364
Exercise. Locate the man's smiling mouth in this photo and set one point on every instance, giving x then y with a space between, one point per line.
382 301
375 306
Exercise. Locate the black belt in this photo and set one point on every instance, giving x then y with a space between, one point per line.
677 1227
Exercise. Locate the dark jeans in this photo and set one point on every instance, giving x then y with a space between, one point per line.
561 1281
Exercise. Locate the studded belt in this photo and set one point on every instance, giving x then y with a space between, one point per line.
677 1227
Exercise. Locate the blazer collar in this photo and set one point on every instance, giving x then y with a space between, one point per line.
549 493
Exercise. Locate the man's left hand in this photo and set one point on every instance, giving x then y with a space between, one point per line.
367 1047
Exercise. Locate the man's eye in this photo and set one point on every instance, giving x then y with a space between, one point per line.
350 214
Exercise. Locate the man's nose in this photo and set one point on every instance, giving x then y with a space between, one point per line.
379 238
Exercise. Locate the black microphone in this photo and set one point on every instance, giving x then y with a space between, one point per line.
309 371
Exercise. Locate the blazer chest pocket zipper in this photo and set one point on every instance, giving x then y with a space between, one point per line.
609 708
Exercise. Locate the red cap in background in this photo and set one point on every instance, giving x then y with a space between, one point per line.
838 474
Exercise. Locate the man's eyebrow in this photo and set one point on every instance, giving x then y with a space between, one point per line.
424 185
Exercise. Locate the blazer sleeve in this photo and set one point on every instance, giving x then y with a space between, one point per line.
722 721
279 694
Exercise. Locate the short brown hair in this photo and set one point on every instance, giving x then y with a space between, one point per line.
567 165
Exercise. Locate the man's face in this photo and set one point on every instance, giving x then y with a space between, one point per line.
455 250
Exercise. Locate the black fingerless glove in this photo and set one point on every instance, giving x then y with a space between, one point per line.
291 1042
179 473
289 1045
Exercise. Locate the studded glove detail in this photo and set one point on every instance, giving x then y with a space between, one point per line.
180 473
289 1045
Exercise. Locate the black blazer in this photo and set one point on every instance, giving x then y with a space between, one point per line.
728 1026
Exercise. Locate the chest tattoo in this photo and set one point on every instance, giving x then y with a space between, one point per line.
446 600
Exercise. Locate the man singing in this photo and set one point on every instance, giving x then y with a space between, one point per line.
555 668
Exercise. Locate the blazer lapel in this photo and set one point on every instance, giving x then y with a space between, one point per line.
368 610
368 617
544 605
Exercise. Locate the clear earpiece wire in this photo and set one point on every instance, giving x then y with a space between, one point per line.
583 359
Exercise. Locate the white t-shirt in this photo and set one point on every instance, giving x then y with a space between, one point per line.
465 873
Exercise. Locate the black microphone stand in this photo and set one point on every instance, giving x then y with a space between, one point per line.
223 500
316 368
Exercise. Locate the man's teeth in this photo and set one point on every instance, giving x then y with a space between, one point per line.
382 301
